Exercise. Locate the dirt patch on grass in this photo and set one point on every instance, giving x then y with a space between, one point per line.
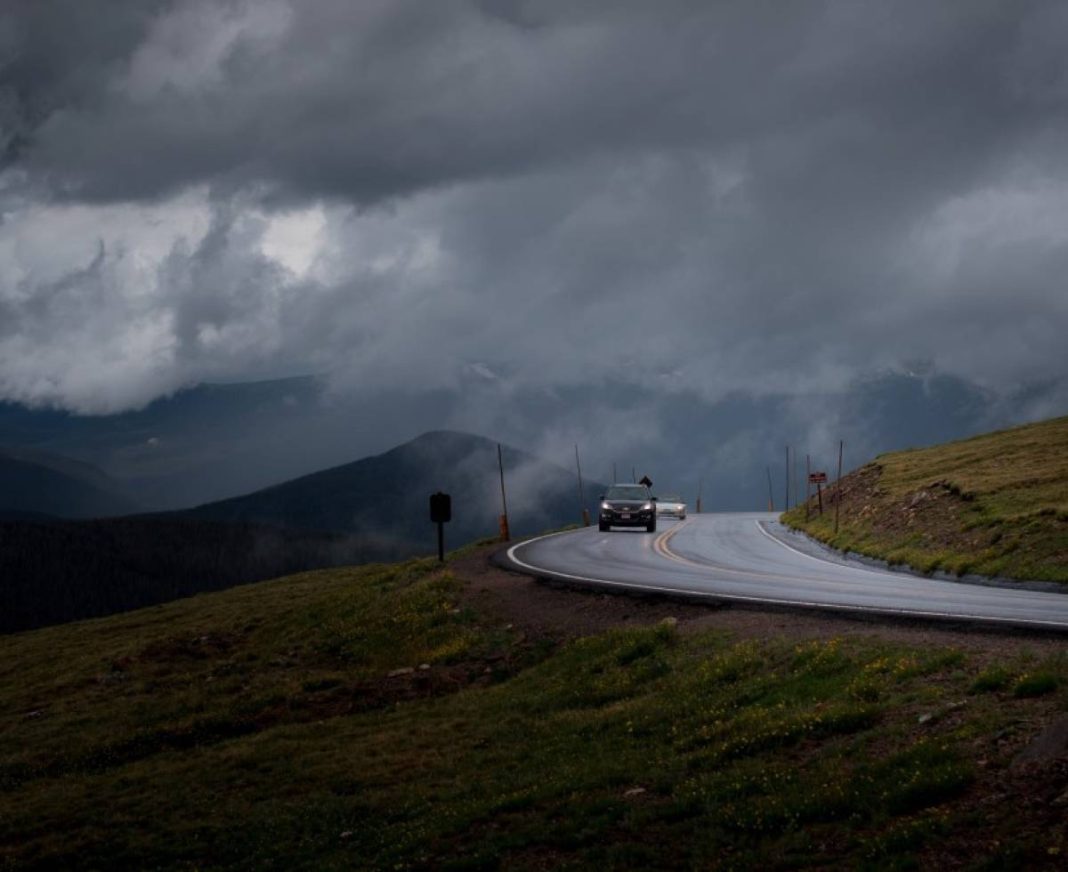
934 514
1031 837
208 646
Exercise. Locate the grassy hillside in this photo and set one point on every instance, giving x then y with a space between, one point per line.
995 505
379 718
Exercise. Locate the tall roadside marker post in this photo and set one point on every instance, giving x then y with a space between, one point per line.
440 514
700 482
838 488
797 479
505 536
582 491
771 499
808 483
786 507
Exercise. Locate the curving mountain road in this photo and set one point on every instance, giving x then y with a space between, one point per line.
750 557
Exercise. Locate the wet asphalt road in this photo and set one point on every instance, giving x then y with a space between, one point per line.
750 557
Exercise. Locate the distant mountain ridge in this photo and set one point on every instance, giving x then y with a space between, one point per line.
210 442
387 495
37 483
204 442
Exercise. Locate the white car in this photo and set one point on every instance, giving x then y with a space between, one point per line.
671 504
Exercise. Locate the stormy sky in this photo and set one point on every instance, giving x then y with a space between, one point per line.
705 197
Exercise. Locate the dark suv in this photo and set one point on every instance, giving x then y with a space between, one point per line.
627 505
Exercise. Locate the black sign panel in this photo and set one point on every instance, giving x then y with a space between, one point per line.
440 508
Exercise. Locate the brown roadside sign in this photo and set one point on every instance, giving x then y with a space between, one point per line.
817 478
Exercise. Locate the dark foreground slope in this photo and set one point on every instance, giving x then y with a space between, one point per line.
993 505
387 495
402 717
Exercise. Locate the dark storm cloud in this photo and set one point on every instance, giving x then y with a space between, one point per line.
371 100
58 55
759 196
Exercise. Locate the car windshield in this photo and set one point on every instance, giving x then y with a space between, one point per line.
627 492
670 498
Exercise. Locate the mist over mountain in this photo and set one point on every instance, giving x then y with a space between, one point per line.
385 497
204 443
212 442
373 510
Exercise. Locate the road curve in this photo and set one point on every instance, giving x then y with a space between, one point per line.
749 557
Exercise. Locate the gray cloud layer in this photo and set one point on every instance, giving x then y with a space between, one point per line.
698 196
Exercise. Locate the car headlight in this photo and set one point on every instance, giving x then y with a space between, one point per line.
605 507
647 507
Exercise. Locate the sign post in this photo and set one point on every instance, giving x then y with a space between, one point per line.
808 485
440 514
787 497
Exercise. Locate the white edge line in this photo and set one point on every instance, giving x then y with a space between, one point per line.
844 607
870 570
789 547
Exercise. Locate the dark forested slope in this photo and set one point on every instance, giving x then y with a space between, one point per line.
37 483
53 571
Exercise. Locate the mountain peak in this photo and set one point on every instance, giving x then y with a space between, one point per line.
387 494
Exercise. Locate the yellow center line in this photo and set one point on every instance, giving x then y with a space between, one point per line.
661 545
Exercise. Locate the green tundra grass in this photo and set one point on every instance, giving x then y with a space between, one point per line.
993 505
288 725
